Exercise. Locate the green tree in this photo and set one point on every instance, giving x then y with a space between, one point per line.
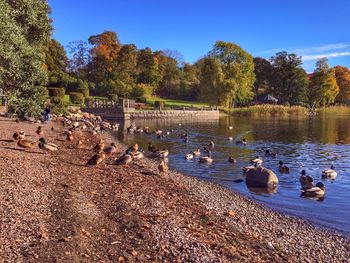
238 69
342 75
289 80
25 30
263 72
323 84
147 68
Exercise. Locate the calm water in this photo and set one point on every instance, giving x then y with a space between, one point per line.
312 144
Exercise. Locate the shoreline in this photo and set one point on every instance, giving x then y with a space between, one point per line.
83 213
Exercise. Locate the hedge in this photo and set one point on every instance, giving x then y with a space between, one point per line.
76 97
56 92
84 91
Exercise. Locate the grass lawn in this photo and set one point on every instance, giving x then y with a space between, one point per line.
171 102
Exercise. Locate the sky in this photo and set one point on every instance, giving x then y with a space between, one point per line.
310 28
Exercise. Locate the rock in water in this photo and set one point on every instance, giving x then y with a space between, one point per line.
261 177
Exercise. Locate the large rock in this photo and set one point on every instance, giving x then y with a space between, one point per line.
261 177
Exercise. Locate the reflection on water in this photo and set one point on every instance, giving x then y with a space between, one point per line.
312 144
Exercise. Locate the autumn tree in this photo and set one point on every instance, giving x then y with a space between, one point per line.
323 84
342 75
104 53
25 31
263 72
289 80
147 68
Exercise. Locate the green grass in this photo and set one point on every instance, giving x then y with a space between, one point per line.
179 103
336 110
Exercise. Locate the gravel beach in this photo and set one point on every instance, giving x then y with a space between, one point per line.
54 208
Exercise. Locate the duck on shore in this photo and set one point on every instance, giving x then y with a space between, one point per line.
70 136
100 145
19 135
46 146
25 143
162 153
123 160
96 159
110 150
163 167
282 167
329 173
132 149
39 131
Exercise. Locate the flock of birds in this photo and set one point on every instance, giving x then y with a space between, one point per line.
94 125
308 186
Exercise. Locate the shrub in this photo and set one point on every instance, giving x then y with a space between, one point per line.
84 91
58 106
112 97
159 104
76 97
56 92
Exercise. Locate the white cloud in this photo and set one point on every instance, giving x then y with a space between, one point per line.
329 47
325 55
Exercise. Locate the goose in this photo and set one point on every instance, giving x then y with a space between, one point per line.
318 190
282 167
96 159
123 160
231 160
163 167
163 153
256 161
39 131
189 156
197 153
43 145
110 150
329 173
305 180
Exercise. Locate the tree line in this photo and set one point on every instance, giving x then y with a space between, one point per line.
32 61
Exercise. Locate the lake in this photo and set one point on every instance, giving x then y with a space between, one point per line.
310 143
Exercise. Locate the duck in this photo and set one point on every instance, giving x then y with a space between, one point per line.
230 138
100 145
46 146
243 141
206 159
25 143
329 173
75 124
110 150
163 167
70 136
39 131
230 127
19 135
189 156
162 153
123 160
231 160
318 190
282 167
96 159
137 155
305 180
197 152
211 145
270 153
152 148
132 149
256 161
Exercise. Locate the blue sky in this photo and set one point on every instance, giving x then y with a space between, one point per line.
311 28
